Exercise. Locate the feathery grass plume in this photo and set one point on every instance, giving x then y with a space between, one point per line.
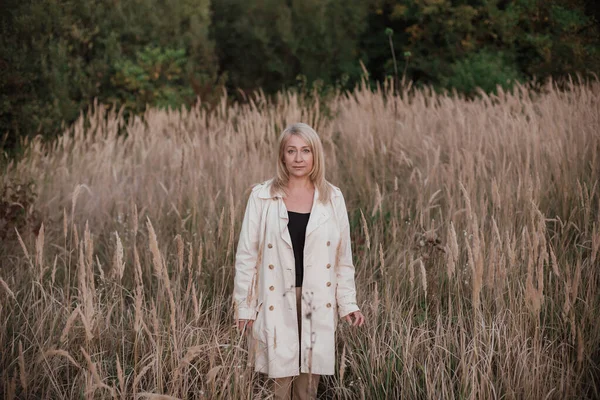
220 225
59 353
89 247
195 303
452 251
378 201
120 377
22 372
423 276
180 255
69 324
154 396
135 220
137 267
153 243
495 194
365 230
24 248
140 375
87 326
190 355
53 274
100 268
7 289
118 267
376 300
161 271
567 288
96 377
39 250
343 363
75 235
81 277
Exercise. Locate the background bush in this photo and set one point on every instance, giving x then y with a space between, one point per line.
56 57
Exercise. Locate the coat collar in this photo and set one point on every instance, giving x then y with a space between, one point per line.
319 212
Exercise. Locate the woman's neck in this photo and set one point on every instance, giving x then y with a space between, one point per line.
296 184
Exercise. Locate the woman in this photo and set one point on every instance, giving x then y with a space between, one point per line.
294 268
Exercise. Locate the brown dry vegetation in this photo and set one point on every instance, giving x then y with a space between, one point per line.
475 227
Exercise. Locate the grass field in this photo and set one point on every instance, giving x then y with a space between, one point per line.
475 227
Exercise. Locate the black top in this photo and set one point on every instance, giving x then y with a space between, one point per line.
297 227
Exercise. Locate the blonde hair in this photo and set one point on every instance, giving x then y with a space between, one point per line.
316 175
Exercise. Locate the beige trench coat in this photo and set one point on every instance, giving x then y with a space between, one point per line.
264 284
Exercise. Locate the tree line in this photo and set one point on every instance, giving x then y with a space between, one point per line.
57 57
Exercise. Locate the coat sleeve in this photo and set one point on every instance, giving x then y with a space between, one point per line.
245 260
346 289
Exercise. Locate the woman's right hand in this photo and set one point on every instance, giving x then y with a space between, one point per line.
247 323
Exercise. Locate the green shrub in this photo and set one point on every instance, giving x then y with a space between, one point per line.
485 70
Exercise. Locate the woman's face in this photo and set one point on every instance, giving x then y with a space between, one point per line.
297 157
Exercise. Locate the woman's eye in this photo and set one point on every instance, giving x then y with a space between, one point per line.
290 151
306 150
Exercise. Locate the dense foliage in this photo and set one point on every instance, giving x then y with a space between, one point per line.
56 57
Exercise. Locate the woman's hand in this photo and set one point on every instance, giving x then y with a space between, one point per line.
359 318
245 323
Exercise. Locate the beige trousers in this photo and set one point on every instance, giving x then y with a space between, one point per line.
304 386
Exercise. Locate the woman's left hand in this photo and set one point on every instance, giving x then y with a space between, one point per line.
359 318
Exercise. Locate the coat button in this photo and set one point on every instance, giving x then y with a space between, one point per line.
271 266
328 266
328 243
328 283
270 245
271 308
271 288
328 305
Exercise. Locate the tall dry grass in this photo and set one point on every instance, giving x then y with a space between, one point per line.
475 227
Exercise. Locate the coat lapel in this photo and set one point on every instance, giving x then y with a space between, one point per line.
319 214
283 222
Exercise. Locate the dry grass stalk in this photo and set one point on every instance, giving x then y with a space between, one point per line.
118 267
59 353
451 251
69 324
7 289
423 276
231 225
135 220
154 396
180 255
120 377
381 259
378 201
96 377
39 251
220 225
53 274
65 222
365 230
22 372
24 248
523 145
